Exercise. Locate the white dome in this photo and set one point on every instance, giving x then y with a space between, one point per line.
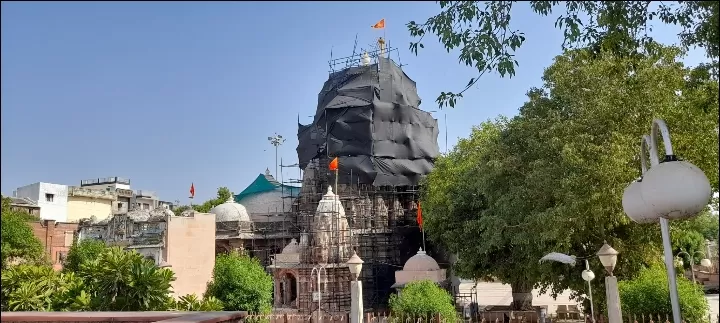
421 262
292 247
230 211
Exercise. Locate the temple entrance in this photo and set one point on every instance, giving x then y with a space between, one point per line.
288 290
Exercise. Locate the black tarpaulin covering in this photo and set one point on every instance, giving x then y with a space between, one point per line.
368 116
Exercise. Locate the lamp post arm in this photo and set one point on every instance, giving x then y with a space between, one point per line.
647 148
660 126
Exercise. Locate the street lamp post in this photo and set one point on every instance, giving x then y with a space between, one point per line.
318 270
356 306
692 261
608 258
672 189
588 276
276 141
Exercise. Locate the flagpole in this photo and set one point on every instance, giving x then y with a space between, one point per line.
423 237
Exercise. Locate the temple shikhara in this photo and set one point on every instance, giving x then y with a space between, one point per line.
304 230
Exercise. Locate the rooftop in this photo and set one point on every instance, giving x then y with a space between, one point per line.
106 180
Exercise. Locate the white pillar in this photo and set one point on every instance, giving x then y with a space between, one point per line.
613 300
356 302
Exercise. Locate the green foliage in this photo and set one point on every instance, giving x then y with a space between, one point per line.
241 284
192 302
482 30
82 252
648 293
29 287
18 240
552 178
123 280
706 224
423 299
690 242
223 195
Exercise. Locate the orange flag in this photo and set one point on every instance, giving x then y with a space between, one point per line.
419 216
334 164
380 24
192 190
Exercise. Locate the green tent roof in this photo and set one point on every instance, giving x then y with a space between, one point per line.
265 183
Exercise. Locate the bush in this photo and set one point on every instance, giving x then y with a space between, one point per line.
192 302
122 280
82 252
423 299
241 284
28 287
649 294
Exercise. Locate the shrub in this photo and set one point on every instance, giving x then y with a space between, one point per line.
18 240
82 252
192 302
649 294
423 299
28 287
241 284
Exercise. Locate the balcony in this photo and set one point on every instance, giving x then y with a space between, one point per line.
123 192
91 193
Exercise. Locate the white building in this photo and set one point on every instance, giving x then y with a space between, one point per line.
51 198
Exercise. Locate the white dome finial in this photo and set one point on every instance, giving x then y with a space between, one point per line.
330 191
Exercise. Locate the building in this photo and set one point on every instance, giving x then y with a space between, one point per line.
118 184
85 203
94 198
56 238
186 244
23 204
51 198
265 196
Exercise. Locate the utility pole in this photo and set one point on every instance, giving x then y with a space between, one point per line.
276 141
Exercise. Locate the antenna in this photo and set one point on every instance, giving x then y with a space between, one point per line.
347 62
332 69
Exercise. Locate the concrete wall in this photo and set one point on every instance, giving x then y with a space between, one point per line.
190 251
81 207
55 209
56 238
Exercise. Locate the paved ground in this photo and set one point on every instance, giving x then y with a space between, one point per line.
713 300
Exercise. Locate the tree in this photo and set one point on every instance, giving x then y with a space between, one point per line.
241 284
482 30
552 178
423 299
82 252
122 280
223 195
18 240
648 294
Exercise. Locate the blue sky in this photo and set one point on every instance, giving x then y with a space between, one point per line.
173 93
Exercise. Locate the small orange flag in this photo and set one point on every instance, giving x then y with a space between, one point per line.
380 24
334 164
419 216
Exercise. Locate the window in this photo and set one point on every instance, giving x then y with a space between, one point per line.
49 197
119 206
146 206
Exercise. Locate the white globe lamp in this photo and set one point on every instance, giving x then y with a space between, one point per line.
588 275
706 262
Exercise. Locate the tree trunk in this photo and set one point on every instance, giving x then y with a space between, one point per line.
522 296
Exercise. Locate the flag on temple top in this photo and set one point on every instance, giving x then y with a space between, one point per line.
192 190
419 216
334 164
380 24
